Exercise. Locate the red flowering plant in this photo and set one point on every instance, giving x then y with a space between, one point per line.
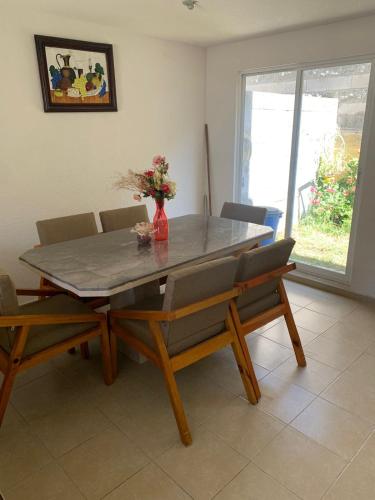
152 182
332 195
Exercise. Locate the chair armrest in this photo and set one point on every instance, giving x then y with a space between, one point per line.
177 313
50 319
266 277
39 292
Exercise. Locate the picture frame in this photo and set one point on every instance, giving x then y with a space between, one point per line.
76 75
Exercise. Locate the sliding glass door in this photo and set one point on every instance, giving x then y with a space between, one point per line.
300 152
267 139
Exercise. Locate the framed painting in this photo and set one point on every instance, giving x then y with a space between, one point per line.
76 75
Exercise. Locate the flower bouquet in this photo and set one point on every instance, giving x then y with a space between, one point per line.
155 183
144 231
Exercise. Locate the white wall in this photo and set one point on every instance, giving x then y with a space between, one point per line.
224 64
54 164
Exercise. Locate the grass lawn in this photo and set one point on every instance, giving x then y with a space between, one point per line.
320 248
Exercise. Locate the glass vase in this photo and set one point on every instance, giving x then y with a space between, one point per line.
160 222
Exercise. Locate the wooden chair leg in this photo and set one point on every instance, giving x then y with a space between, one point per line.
106 353
290 323
6 388
170 381
85 350
114 353
14 362
243 368
245 349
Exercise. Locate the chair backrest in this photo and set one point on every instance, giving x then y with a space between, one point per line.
259 261
245 213
194 284
8 306
122 218
66 228
8 297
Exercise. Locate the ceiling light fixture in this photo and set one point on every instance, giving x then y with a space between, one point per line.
190 4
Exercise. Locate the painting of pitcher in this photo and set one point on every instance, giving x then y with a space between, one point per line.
76 75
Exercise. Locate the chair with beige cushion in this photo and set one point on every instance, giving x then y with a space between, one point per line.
66 228
71 227
263 297
245 213
122 218
35 332
189 322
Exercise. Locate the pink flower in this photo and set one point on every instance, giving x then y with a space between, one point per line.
313 189
165 188
149 173
137 197
330 190
346 193
315 201
158 159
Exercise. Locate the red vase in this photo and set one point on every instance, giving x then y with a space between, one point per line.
160 222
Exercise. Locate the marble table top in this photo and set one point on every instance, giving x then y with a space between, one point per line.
108 263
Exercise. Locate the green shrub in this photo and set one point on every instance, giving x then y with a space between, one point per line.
332 196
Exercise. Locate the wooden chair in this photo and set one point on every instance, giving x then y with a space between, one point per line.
122 218
37 331
263 297
68 228
189 322
245 213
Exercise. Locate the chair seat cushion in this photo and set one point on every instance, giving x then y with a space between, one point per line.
43 336
249 311
141 331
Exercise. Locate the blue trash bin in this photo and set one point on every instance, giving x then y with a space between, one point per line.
272 220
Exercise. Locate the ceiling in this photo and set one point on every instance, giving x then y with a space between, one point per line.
212 22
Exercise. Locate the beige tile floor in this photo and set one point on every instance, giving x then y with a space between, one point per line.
67 436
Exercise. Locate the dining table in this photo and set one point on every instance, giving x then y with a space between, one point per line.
107 264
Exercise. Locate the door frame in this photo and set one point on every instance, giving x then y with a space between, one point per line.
309 270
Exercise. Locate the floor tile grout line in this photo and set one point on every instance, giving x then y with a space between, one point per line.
341 375
229 482
349 463
302 387
25 479
28 476
224 441
22 386
92 437
172 478
125 481
344 314
277 481
317 442
210 431
312 441
83 442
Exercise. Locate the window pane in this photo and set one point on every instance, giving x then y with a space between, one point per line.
332 117
268 124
